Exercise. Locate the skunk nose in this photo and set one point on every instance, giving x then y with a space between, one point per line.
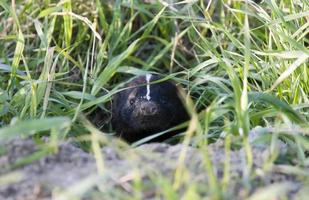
148 108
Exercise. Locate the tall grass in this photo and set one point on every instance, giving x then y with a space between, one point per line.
242 64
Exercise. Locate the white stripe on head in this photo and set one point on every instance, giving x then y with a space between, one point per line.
148 77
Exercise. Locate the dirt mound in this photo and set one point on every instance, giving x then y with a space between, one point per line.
72 172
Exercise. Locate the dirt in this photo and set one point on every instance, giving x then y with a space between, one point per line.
71 172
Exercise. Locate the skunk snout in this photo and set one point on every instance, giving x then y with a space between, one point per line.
148 108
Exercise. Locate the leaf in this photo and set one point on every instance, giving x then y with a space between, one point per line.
8 68
31 127
68 23
48 11
17 57
111 68
298 62
78 95
277 104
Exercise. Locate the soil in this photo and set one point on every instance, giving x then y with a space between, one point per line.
71 172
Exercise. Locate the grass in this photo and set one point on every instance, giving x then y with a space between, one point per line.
241 65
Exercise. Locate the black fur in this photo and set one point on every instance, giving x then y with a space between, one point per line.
136 117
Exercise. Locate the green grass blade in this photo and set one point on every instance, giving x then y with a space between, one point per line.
278 104
111 68
68 23
31 127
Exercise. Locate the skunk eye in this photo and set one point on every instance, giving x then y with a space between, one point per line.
132 101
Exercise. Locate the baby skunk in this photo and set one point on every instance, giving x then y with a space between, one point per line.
146 108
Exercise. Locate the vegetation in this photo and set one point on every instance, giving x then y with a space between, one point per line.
241 65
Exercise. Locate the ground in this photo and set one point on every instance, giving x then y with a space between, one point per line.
71 172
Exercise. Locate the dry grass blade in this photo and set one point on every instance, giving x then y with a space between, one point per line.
302 59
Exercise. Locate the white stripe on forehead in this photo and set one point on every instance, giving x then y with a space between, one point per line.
148 77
